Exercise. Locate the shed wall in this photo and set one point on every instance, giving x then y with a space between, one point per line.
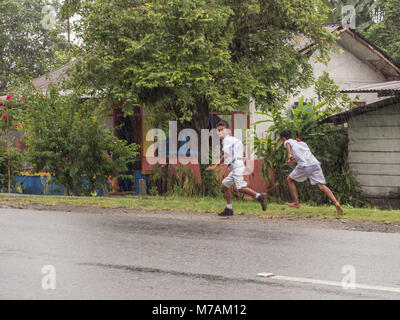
374 153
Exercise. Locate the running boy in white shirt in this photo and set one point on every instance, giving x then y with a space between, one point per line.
233 156
307 167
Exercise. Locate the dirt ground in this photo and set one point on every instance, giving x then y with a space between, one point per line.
338 224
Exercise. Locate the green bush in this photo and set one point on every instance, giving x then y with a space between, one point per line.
12 112
211 185
15 166
181 181
178 180
68 137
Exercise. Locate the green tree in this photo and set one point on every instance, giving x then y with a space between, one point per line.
68 138
11 118
327 91
26 47
191 56
377 20
386 33
181 59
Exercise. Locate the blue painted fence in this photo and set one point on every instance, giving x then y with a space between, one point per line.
34 185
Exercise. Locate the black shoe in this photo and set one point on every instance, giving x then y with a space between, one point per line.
226 213
263 200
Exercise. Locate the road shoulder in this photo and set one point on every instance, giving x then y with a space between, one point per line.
335 224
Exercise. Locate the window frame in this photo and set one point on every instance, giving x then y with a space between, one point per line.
232 115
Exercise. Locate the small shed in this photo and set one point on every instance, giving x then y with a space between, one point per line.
374 147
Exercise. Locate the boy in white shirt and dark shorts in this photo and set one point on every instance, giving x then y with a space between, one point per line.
233 151
307 167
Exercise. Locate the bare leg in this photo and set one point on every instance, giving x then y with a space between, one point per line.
248 191
228 211
262 198
329 193
293 192
228 195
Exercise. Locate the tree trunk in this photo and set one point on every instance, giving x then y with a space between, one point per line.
164 178
8 156
199 122
69 30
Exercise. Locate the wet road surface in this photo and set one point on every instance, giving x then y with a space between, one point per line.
70 255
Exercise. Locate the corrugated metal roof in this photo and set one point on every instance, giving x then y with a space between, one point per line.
343 117
392 86
56 76
301 42
384 63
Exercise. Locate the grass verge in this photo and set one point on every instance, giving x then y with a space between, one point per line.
205 204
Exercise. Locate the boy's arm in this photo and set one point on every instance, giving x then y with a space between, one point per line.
289 150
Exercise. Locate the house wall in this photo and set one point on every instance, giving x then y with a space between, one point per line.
346 70
374 154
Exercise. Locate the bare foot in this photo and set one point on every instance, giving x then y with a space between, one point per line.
293 205
339 208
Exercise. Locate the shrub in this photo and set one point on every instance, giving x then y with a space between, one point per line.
68 137
12 112
178 180
15 167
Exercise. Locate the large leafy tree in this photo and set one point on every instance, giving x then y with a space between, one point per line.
181 59
377 20
191 57
26 47
386 33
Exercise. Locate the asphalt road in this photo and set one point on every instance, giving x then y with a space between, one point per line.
72 255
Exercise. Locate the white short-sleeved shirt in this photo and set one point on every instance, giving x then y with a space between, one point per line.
302 153
233 149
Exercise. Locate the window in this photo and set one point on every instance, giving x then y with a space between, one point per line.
236 120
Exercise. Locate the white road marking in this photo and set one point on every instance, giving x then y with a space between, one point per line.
265 275
330 283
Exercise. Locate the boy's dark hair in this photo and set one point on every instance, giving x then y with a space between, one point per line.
223 123
286 134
